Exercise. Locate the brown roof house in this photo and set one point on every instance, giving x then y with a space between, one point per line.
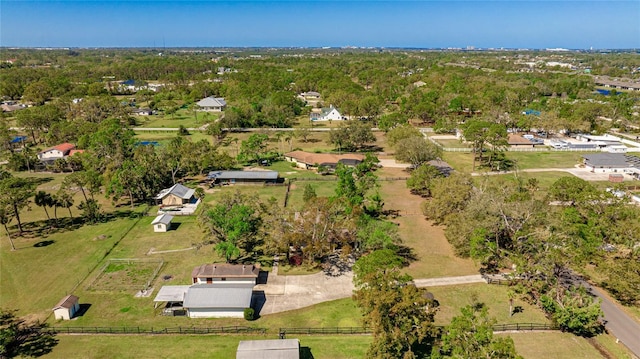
225 272
308 160
66 308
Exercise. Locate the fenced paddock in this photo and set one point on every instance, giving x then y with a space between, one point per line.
126 274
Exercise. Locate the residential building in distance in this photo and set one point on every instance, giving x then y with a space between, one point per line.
327 114
613 163
212 104
60 151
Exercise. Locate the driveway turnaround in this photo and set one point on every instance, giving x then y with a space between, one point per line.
289 292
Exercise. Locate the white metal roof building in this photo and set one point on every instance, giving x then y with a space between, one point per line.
269 349
218 300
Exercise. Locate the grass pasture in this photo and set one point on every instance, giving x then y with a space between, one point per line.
126 274
198 346
555 345
495 298
434 255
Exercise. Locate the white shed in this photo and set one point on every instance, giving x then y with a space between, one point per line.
269 349
162 223
66 308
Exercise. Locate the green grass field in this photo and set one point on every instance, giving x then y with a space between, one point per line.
184 117
555 345
188 346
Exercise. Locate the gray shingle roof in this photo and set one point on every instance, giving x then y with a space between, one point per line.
256 175
219 295
177 190
163 218
212 102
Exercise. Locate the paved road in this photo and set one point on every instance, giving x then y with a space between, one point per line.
617 322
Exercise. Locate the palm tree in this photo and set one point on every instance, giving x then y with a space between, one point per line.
65 200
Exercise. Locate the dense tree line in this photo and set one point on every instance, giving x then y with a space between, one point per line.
505 223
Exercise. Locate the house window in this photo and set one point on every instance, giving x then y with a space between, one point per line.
223 279
159 226
209 280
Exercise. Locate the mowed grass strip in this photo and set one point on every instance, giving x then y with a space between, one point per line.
198 346
557 345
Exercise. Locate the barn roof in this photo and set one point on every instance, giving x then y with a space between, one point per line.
269 349
163 218
67 302
219 295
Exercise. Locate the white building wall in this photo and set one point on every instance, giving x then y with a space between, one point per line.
229 280
215 313
62 313
50 154
160 227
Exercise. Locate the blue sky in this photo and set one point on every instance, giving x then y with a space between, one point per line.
427 24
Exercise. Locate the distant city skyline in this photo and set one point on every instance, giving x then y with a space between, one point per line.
416 24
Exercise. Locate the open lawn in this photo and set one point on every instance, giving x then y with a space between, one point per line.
434 255
184 117
557 345
52 264
191 346
495 297
524 160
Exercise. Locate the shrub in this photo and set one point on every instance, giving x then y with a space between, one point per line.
249 314
295 260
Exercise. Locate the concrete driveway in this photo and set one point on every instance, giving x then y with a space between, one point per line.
283 293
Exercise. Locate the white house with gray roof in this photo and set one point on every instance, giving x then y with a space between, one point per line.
327 114
162 223
212 104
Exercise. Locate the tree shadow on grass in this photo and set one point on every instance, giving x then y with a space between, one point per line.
44 243
407 253
40 180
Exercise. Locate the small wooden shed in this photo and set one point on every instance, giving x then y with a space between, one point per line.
66 308
162 223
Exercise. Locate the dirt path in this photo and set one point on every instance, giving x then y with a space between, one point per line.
434 254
